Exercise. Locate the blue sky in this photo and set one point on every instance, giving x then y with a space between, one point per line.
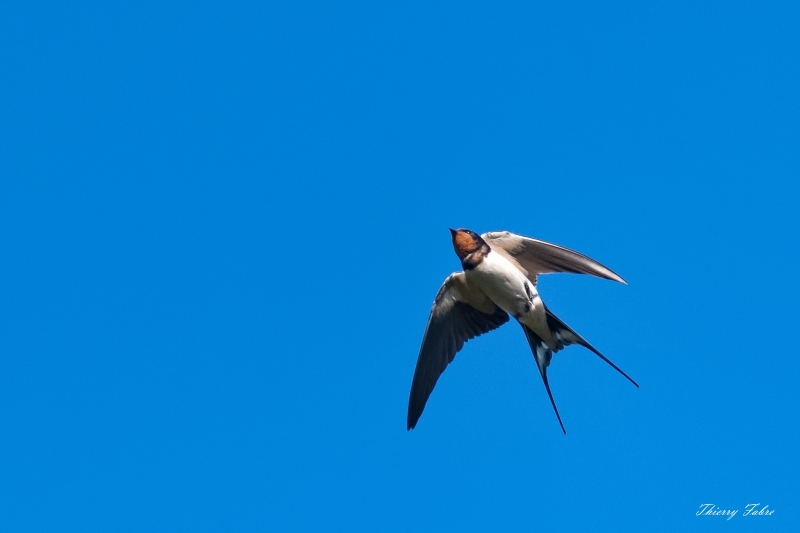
223 225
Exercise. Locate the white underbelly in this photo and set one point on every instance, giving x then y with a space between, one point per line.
512 292
504 284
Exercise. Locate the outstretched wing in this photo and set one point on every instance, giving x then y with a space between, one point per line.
459 313
539 257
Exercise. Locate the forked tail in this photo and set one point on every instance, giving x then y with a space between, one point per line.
564 336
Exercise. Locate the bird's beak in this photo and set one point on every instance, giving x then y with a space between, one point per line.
453 232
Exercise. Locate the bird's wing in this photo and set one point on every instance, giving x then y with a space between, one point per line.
459 313
539 257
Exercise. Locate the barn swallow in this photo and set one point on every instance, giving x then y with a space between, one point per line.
498 280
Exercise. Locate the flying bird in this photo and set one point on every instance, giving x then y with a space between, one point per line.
498 280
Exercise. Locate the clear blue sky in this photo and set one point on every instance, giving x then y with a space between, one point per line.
223 225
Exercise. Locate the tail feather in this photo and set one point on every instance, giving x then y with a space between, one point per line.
566 336
543 354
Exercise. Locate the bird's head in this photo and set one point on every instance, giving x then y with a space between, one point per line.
466 242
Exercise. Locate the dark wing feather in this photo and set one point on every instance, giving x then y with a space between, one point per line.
540 257
459 313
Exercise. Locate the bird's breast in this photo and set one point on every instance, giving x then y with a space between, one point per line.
504 284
